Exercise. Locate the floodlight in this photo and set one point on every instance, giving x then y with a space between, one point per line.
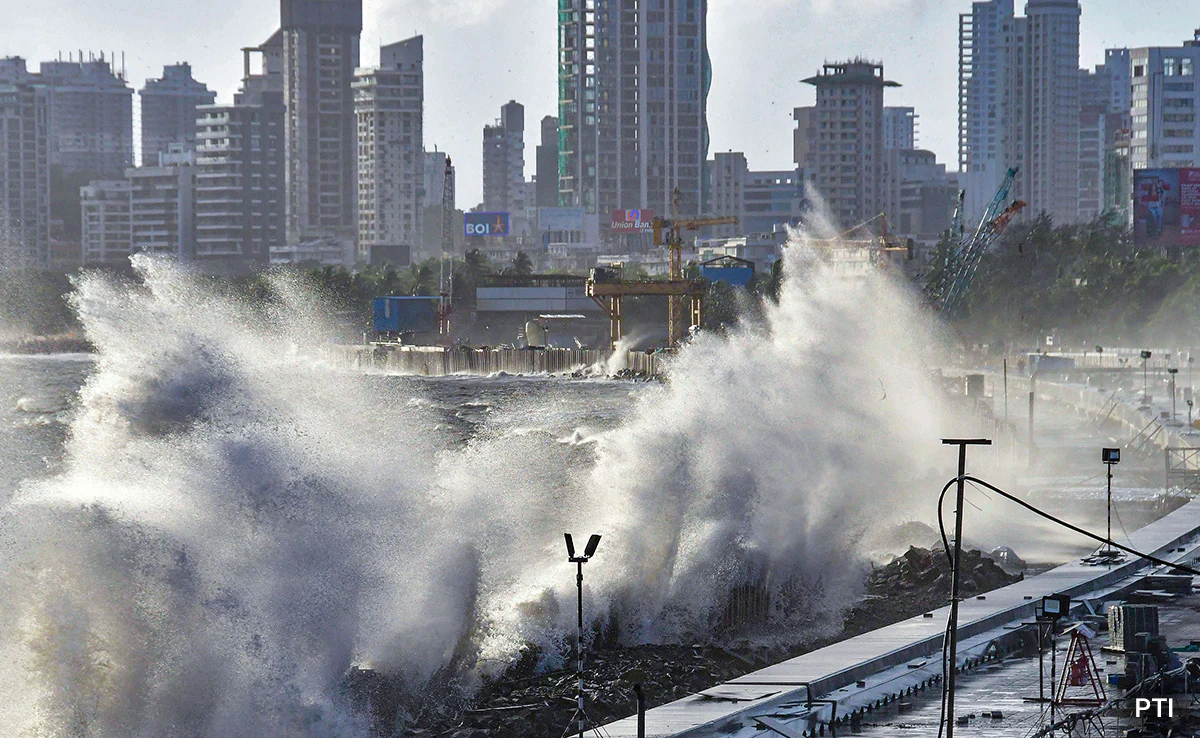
1056 606
592 543
1110 455
570 546
1146 354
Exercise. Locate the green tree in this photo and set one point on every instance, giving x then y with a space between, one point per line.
522 265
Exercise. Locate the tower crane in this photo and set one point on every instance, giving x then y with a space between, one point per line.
947 289
668 232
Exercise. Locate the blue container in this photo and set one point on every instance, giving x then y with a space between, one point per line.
405 315
738 276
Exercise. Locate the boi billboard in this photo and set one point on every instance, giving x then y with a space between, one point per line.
476 225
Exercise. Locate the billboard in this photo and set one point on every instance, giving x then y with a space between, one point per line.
1166 207
632 221
476 225
560 219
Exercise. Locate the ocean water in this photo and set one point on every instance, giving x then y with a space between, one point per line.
206 525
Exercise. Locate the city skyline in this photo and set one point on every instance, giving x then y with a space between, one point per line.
750 104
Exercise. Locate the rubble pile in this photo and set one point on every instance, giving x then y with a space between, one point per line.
530 705
919 581
542 705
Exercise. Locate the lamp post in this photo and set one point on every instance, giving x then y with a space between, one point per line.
1145 381
579 561
1111 457
952 628
1172 372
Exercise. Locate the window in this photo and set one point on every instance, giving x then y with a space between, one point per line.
1170 66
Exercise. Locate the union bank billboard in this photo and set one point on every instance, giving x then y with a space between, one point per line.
632 221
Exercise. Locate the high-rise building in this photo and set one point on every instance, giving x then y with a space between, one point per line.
806 118
921 195
1050 163
239 211
1019 104
435 178
633 87
1103 119
845 159
389 102
91 117
547 164
169 110
320 53
106 234
435 189
899 128
773 198
504 160
986 100
24 176
727 191
1165 130
162 205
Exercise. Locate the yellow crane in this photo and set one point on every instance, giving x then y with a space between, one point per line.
668 232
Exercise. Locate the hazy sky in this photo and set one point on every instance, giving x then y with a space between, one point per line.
481 53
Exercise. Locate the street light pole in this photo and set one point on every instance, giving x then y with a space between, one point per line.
1172 372
579 561
1111 457
952 628
1145 380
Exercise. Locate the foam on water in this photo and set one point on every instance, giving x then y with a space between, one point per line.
239 524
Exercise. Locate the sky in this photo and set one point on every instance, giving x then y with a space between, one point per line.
479 54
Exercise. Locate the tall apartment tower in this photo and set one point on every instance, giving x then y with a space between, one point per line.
162 202
169 111
435 178
1050 168
24 176
389 103
547 164
806 118
1019 104
727 191
504 161
1165 99
986 104
899 128
91 117
239 212
633 87
1104 99
106 233
845 161
320 54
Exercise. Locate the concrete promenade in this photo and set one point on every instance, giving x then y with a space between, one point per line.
883 665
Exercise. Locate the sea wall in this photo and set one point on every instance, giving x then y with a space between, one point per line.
434 361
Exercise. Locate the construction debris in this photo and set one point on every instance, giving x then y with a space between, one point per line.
526 704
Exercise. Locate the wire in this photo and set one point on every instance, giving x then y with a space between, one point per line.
946 543
1063 523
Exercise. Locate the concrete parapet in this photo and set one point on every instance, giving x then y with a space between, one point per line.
435 361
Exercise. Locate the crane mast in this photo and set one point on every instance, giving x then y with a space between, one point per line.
668 232
947 290
446 276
